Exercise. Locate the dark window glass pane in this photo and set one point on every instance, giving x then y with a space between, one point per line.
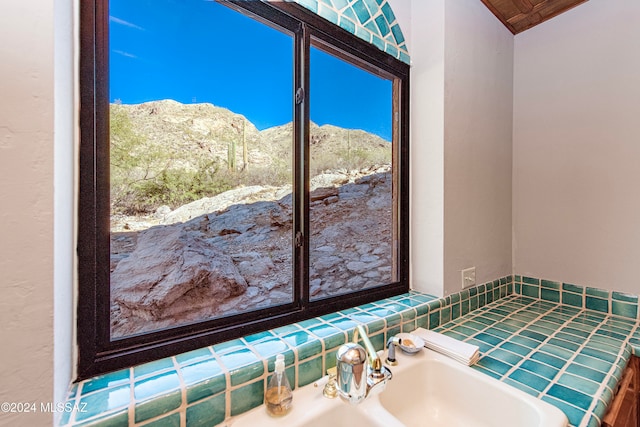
201 175
351 192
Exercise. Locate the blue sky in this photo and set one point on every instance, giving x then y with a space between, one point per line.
200 51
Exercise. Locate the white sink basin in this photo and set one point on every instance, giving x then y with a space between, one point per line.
312 409
434 390
427 389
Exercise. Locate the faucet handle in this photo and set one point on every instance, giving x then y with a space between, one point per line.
374 361
330 389
391 351
360 371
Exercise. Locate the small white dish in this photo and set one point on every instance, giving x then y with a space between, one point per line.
410 343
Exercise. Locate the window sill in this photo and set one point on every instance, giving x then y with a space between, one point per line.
208 385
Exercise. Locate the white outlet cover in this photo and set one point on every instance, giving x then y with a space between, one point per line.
468 277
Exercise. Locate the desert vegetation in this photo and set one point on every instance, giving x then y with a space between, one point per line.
164 153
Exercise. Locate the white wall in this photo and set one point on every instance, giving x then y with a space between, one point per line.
461 128
478 147
65 135
425 35
26 216
576 134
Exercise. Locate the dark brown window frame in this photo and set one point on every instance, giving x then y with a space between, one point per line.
97 353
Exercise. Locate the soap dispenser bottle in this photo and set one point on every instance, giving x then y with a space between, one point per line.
279 396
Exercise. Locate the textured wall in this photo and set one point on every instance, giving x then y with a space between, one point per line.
576 148
477 144
426 42
26 216
461 112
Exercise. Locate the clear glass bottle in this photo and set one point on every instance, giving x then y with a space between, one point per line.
279 397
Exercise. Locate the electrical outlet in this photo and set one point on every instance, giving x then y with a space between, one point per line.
468 277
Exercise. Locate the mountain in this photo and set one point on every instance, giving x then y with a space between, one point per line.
187 134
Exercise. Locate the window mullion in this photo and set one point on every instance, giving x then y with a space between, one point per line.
301 166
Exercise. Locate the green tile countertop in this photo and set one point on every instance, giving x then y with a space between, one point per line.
564 344
205 387
570 357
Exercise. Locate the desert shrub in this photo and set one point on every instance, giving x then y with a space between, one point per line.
130 163
176 187
278 174
148 171
349 158
144 176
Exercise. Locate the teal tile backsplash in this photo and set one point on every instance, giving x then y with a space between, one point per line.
547 338
208 385
615 303
370 20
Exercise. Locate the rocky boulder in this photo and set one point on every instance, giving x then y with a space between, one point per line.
242 195
228 259
182 273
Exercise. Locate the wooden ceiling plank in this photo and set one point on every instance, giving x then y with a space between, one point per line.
546 13
524 6
531 12
539 8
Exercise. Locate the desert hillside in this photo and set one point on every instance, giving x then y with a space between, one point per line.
168 153
201 222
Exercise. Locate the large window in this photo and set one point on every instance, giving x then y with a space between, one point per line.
243 165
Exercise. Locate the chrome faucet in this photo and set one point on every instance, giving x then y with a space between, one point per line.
360 372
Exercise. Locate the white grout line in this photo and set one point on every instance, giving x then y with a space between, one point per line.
132 399
585 420
589 413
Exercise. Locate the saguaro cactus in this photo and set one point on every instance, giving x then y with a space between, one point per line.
245 148
231 155
231 152
349 161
